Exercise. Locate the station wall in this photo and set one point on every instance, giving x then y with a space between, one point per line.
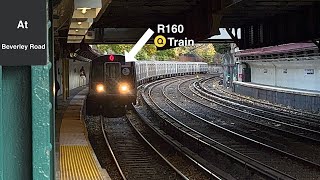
74 73
290 74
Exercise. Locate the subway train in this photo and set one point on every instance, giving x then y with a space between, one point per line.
113 83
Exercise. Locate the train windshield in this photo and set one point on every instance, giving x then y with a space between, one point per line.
97 72
112 70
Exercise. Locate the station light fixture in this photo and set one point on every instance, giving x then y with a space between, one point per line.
83 24
84 13
77 32
84 10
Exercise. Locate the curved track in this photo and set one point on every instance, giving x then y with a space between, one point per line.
234 141
167 146
224 158
259 128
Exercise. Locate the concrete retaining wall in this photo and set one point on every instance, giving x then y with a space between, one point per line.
295 99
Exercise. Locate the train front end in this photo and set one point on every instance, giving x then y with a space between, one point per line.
112 86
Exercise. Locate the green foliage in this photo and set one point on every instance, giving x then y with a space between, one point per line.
205 51
114 48
150 52
222 47
168 54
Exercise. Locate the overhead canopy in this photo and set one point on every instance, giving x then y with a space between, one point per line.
203 18
262 22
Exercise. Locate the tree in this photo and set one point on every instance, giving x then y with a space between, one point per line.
114 48
150 52
168 54
206 52
145 53
222 47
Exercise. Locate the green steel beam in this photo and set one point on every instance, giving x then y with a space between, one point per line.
41 122
16 123
1 129
43 112
27 119
52 87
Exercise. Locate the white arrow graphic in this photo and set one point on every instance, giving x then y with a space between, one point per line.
137 47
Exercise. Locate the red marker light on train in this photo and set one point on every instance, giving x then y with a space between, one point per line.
111 57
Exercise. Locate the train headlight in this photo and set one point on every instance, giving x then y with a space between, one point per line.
124 88
100 88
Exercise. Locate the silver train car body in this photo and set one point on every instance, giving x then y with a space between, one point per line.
114 82
152 70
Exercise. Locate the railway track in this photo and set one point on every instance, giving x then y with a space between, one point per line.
191 159
188 131
167 146
303 141
135 157
271 157
270 135
306 130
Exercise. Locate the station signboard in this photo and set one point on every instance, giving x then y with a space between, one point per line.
23 33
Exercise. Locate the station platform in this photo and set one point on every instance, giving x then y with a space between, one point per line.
75 156
295 98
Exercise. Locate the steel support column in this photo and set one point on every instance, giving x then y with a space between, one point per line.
1 128
65 78
42 112
25 116
68 80
16 120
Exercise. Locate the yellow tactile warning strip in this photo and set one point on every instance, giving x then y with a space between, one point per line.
77 159
77 163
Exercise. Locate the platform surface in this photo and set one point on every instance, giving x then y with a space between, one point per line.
77 160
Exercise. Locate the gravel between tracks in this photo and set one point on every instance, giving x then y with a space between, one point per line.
136 159
170 153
